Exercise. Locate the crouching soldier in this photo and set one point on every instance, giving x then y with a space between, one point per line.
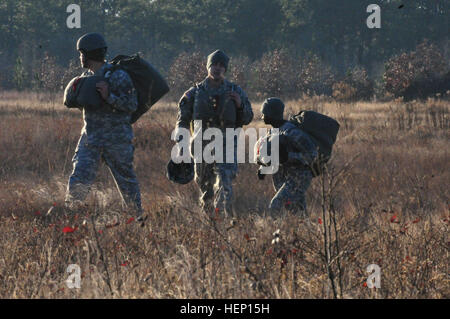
297 152
107 133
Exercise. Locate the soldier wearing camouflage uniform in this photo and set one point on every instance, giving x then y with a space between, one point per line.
107 132
297 152
209 101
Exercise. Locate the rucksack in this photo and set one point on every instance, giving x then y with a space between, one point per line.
323 131
148 82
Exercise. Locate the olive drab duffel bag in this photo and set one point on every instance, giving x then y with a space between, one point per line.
148 82
323 131
82 92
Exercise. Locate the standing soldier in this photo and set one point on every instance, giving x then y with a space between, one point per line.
107 132
215 103
297 152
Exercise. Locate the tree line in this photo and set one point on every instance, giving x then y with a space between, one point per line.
334 32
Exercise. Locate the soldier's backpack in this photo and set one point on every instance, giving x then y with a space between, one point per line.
148 82
323 131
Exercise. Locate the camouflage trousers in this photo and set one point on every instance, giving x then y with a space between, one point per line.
119 159
291 187
215 183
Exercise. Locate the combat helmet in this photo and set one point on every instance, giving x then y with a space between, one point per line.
91 41
273 107
181 173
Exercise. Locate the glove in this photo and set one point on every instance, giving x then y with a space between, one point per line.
260 175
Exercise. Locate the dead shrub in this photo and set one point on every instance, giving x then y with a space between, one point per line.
417 74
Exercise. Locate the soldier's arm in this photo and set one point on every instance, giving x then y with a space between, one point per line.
185 109
306 150
122 94
245 112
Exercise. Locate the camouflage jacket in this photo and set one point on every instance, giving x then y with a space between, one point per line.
299 145
190 108
111 122
301 149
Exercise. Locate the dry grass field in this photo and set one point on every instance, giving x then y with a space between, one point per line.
385 201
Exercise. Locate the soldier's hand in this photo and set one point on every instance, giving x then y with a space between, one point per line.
260 175
103 89
236 98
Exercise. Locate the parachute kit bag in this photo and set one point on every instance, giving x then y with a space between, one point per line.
148 82
323 131
82 92
71 92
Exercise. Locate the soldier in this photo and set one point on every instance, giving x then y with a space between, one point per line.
221 104
107 132
297 152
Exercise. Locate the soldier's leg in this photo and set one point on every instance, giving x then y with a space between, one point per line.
277 181
302 181
223 188
282 198
204 177
85 165
291 196
119 159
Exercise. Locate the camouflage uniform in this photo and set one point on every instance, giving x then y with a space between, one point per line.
107 134
294 176
215 179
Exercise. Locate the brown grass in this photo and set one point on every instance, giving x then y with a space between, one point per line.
394 158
